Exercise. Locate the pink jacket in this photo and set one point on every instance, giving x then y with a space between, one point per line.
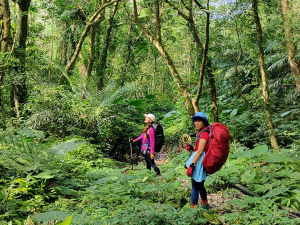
144 138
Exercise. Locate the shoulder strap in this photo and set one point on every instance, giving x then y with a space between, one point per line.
205 130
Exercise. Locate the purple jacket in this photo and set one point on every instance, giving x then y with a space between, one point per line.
144 138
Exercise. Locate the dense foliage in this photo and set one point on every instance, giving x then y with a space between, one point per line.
76 78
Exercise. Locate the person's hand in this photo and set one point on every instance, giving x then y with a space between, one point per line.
131 140
190 170
189 147
152 156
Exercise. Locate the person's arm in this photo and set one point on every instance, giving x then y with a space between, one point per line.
200 150
139 137
152 140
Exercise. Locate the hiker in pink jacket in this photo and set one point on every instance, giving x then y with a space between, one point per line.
148 143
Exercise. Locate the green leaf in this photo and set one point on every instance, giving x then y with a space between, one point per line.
234 112
286 113
297 197
275 158
68 220
176 185
276 191
49 216
68 146
136 103
31 133
248 176
150 97
44 175
259 150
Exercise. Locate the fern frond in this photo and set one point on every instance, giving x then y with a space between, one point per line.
278 64
231 71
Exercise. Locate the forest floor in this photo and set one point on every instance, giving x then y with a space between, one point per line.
217 201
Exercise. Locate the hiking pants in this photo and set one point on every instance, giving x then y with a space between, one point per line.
150 163
198 187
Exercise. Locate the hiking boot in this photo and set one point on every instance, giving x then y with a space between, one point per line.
205 207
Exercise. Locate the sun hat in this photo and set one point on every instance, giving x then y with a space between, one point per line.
202 116
150 116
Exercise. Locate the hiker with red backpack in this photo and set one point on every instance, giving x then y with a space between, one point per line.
195 168
152 139
211 152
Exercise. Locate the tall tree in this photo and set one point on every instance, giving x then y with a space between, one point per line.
94 19
264 77
202 49
19 89
157 42
289 38
102 66
5 37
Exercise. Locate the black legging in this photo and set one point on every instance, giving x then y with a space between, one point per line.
150 163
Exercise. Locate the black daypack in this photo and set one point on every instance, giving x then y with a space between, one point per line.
159 136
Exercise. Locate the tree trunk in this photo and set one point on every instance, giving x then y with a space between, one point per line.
203 65
97 16
102 66
129 47
264 77
203 51
92 49
236 68
213 92
64 45
19 88
295 66
159 46
5 36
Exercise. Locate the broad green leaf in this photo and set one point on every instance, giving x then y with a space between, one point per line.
68 220
275 158
176 185
259 150
169 114
136 103
28 133
234 112
44 175
296 191
276 191
248 176
297 197
49 216
150 97
68 146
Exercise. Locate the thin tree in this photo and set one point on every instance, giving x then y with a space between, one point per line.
264 77
94 19
5 37
103 59
157 42
203 50
236 66
289 38
19 89
213 91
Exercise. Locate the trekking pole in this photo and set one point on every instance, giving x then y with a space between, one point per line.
131 154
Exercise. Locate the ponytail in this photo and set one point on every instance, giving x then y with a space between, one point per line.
147 127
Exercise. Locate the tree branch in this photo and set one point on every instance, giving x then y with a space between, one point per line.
201 7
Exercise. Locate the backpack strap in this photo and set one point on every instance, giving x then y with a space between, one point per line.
205 130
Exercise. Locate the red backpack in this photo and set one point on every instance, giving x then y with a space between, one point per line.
218 147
